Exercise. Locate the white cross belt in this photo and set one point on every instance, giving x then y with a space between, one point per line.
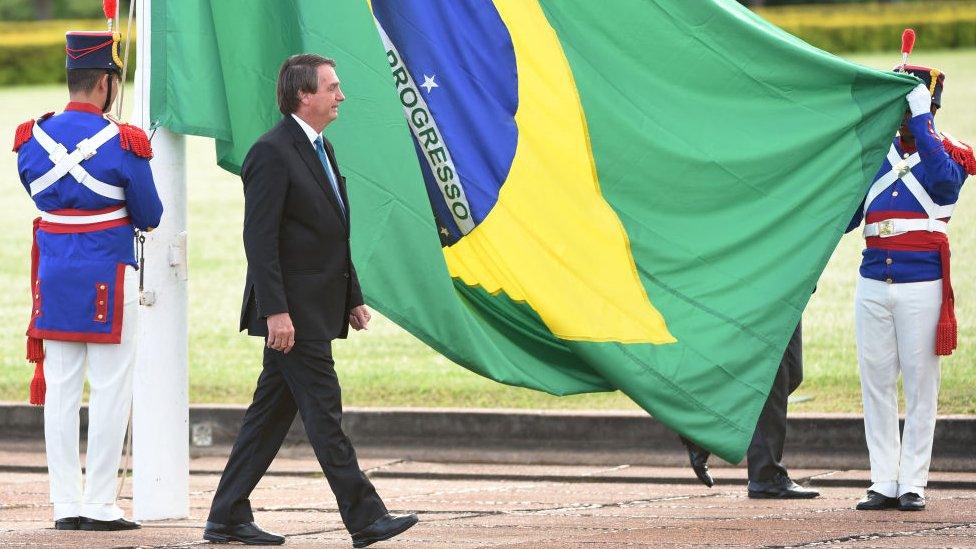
70 163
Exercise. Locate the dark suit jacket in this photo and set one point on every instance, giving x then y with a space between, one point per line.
295 238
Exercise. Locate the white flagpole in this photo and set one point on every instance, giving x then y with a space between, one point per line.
160 407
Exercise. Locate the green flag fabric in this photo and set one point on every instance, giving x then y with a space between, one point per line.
566 195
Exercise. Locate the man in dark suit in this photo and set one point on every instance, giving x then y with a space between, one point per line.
768 477
301 293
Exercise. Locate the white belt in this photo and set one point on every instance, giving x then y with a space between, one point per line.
84 219
895 227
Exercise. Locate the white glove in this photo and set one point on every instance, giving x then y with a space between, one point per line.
919 100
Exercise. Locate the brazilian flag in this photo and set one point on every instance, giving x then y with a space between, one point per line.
566 195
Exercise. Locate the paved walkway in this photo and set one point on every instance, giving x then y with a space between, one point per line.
469 505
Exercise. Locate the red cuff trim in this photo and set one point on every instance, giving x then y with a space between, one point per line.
36 296
101 302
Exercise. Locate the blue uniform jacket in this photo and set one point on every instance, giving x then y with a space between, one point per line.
80 274
940 176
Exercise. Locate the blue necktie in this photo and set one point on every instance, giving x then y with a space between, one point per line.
319 148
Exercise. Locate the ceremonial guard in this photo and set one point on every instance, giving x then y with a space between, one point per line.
89 175
903 308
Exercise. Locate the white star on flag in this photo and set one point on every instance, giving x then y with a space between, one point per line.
429 83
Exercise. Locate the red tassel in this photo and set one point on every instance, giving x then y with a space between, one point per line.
133 139
945 333
24 132
38 388
35 349
961 153
109 7
35 346
907 41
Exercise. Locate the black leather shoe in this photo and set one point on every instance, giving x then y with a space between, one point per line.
911 501
782 487
698 458
85 523
873 501
68 523
247 533
383 528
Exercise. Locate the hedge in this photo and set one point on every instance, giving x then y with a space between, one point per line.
32 10
33 52
944 24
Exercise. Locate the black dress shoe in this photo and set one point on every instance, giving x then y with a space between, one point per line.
247 533
383 528
698 457
67 523
782 487
910 501
85 523
873 501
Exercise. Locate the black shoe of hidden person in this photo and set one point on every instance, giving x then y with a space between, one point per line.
781 487
911 501
85 523
383 528
67 523
698 458
873 501
247 533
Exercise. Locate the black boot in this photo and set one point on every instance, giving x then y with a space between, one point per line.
247 533
873 501
698 458
67 523
85 523
911 501
383 528
781 487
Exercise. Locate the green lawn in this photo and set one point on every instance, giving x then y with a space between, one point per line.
387 366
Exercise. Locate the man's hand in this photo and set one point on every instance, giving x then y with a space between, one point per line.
919 100
359 317
281 332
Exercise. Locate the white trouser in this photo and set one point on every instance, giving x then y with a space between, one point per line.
110 397
895 327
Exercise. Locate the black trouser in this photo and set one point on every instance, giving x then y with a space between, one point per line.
303 380
766 449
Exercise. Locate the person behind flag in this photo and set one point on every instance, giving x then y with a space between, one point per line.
903 305
301 293
90 177
768 477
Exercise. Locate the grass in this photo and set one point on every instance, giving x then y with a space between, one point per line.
387 366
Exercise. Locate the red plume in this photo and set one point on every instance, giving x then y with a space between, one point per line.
907 41
110 6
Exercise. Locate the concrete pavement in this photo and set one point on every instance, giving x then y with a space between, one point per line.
505 505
